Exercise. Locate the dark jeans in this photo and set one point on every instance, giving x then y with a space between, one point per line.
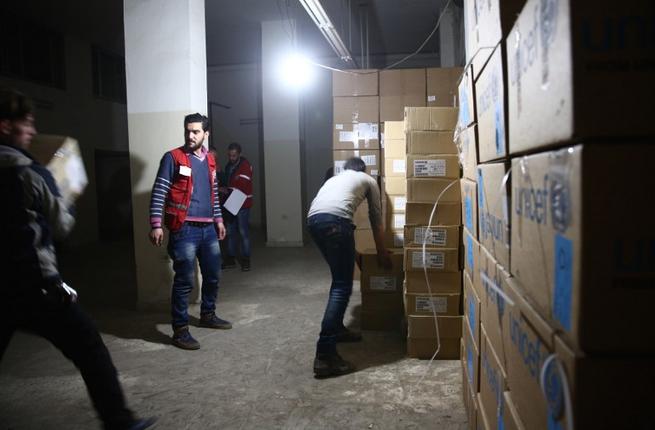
334 237
184 246
69 329
238 224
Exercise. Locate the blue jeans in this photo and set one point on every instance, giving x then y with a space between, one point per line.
239 223
335 239
184 246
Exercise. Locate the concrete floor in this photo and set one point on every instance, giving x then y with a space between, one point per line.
257 375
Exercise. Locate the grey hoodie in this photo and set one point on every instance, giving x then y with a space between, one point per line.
32 215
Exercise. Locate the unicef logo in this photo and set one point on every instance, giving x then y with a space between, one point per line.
560 206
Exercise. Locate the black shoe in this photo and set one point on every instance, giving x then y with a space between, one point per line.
349 336
245 264
326 365
142 423
229 263
212 321
183 339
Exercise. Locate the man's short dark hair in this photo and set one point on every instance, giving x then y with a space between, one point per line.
196 117
234 146
14 105
356 164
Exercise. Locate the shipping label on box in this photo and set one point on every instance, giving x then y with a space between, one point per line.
360 82
439 282
470 206
396 204
429 304
371 159
444 260
442 86
395 167
430 118
433 236
490 91
471 255
493 383
466 92
493 209
433 189
467 145
445 213
432 166
430 142
378 279
356 123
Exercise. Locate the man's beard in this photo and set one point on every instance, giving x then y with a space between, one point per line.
194 146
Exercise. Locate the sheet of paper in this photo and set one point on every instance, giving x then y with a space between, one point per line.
235 201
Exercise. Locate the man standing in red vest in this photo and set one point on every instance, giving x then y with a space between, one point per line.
185 199
238 176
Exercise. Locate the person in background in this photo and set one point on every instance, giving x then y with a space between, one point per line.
330 223
185 200
238 175
33 295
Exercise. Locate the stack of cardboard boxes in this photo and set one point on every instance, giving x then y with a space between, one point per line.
559 260
433 275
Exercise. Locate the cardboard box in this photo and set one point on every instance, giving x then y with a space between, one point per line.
491 103
422 337
377 279
393 130
356 123
439 260
483 424
400 88
370 157
395 221
442 86
440 282
472 356
430 118
469 191
472 308
592 74
381 311
471 255
394 185
443 304
394 238
467 146
360 82
432 166
494 192
582 242
395 167
360 218
627 381
493 383
62 157
445 213
430 142
465 380
429 190
491 23
466 89
470 401
364 239
447 236
396 203
490 288
511 419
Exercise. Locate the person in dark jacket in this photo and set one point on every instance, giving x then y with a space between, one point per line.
238 176
33 294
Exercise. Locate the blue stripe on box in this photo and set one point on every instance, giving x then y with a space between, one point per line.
468 213
563 265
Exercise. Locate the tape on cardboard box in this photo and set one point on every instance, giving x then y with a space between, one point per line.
440 282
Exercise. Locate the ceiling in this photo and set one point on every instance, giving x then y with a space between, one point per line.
233 26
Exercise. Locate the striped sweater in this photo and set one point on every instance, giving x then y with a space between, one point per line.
200 207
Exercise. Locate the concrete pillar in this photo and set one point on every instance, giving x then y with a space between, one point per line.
450 34
281 110
166 70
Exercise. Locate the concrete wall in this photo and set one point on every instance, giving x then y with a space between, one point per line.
76 112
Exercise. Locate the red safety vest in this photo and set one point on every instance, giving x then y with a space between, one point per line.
179 196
